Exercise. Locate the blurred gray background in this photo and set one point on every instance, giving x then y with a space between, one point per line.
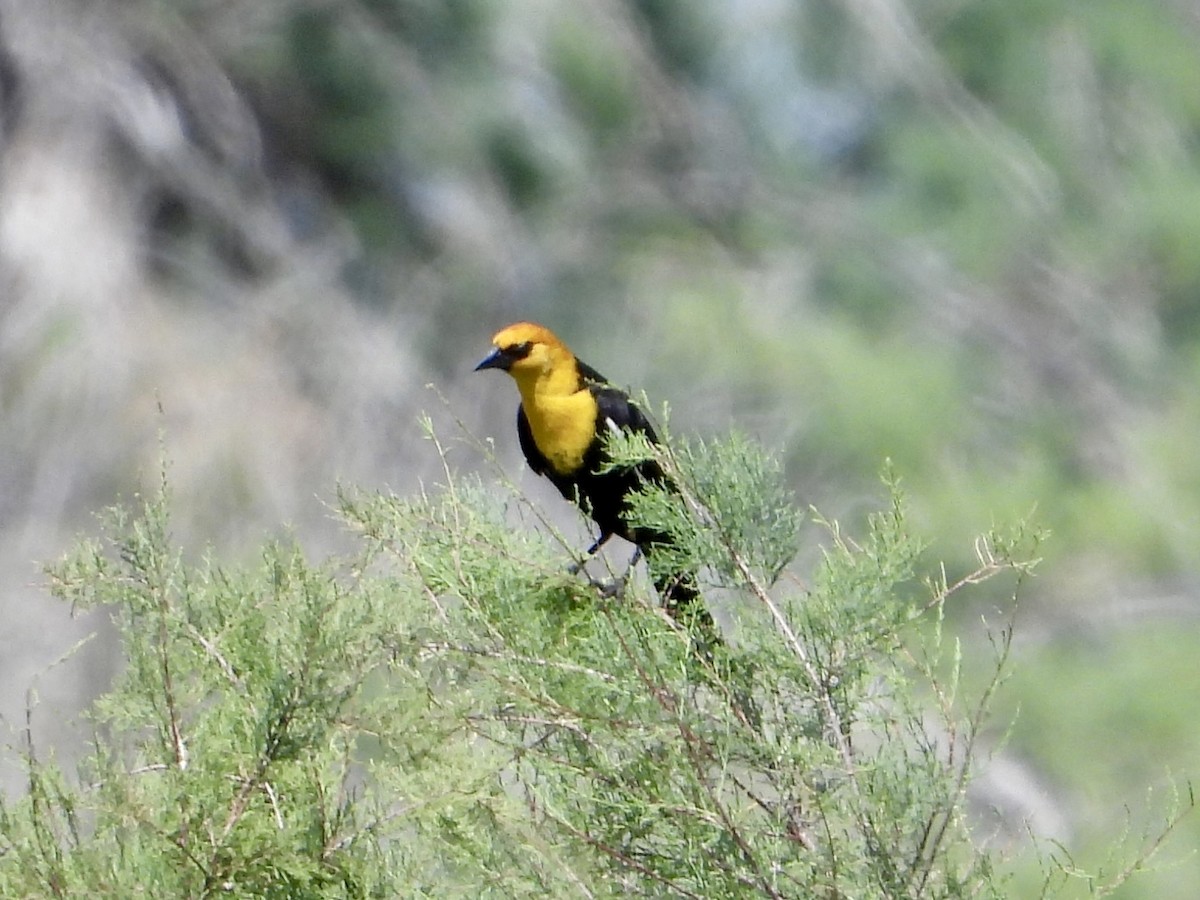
958 234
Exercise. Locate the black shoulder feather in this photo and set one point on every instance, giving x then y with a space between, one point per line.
589 377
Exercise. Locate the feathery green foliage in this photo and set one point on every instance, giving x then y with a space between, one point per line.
449 712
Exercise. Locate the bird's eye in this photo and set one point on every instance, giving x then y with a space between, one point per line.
520 351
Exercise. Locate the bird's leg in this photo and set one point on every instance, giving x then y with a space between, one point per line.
633 560
616 587
606 589
576 567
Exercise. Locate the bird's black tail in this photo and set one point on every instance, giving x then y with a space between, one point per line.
681 598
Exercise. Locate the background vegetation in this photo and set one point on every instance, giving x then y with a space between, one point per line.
955 233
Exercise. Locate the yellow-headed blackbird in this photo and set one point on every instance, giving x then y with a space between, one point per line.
567 407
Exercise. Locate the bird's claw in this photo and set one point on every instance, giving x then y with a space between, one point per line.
606 588
609 589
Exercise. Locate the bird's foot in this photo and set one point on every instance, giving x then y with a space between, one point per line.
576 567
609 588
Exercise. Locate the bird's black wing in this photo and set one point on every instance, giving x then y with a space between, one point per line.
537 461
614 406
609 496
607 490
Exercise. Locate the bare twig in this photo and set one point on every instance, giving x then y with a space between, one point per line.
211 649
1143 859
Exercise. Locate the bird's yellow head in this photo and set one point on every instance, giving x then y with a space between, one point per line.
529 353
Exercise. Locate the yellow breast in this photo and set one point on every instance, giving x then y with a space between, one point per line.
563 427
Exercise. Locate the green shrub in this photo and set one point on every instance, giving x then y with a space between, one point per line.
449 711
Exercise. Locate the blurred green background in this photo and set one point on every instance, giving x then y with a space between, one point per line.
959 234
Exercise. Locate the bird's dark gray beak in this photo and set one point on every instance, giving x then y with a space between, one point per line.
494 360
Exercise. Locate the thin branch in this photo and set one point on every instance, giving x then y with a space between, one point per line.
760 592
211 649
446 647
270 791
698 751
624 859
1143 859
178 745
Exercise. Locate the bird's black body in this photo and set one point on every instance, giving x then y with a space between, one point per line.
531 353
567 413
602 494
